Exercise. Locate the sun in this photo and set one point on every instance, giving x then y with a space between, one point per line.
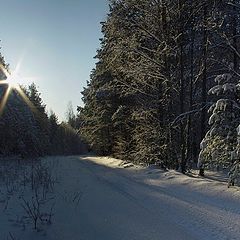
13 81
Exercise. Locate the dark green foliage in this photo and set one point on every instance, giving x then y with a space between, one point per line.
19 131
38 109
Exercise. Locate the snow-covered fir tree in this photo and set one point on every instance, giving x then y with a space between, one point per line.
220 141
234 173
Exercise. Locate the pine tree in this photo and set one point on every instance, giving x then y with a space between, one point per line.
157 60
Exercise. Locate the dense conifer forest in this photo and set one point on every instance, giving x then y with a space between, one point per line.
165 90
149 95
153 149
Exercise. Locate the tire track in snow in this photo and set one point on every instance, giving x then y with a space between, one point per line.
204 220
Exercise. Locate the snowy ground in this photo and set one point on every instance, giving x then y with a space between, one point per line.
96 198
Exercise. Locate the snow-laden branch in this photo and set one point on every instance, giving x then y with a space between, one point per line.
183 115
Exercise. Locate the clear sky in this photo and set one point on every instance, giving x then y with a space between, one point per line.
55 41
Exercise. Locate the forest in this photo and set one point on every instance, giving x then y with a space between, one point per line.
153 149
27 130
164 90
165 87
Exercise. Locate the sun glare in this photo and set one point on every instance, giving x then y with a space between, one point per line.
13 81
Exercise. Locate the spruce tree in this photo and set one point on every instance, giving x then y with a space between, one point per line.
221 140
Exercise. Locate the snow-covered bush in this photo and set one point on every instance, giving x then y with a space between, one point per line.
29 187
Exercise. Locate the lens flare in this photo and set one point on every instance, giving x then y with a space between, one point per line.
11 82
4 99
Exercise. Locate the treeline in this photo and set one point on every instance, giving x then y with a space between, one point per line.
27 130
147 98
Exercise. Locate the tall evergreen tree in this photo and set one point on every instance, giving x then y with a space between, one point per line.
221 140
157 60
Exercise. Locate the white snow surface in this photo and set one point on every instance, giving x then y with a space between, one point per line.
101 198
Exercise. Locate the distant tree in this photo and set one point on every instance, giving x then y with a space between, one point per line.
20 133
39 110
64 139
70 115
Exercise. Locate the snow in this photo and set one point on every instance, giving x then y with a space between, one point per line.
105 198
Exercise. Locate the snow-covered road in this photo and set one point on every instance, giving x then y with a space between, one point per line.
134 203
100 199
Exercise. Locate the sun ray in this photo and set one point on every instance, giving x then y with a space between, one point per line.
26 99
12 81
4 71
19 64
4 99
3 82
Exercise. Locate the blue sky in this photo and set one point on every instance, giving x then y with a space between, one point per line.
55 40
